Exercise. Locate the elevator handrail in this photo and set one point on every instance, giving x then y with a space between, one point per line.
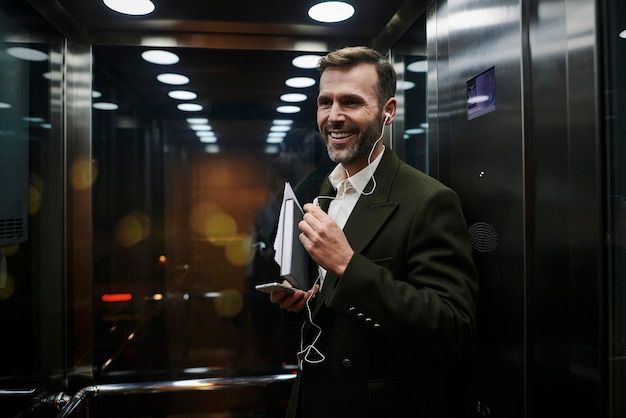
217 383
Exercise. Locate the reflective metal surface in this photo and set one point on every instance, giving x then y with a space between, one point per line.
163 387
530 178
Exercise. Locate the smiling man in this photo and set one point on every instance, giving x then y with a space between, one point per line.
392 312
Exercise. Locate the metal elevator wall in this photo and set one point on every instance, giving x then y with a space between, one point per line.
529 176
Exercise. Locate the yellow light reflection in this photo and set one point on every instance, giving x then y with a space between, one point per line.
229 303
84 173
10 250
35 192
34 201
219 228
132 228
8 286
240 252
200 213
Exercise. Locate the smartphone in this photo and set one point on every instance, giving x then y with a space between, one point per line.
274 287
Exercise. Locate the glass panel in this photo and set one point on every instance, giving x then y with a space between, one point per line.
614 35
184 223
31 207
410 60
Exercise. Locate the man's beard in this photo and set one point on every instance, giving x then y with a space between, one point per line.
355 150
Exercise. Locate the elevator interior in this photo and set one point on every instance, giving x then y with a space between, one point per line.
132 295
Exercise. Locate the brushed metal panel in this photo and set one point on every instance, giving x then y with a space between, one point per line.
482 159
79 211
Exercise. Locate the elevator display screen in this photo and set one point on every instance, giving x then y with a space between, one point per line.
481 94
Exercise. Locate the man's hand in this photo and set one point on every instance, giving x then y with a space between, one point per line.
324 240
293 302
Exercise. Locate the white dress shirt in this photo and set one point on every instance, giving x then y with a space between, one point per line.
349 189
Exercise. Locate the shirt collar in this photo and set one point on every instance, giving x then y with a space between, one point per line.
358 180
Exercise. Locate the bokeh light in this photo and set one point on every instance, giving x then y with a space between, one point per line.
6 291
239 252
35 192
84 173
220 228
132 228
200 213
229 303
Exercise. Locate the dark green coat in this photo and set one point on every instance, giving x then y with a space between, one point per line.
402 315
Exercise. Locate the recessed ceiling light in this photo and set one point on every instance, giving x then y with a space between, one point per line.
4 105
288 109
208 140
201 121
189 107
280 128
173 79
201 127
105 106
300 82
405 85
293 97
623 34
282 122
205 133
306 61
33 119
95 94
274 140
414 131
130 7
182 95
27 54
157 56
331 11
418 67
277 134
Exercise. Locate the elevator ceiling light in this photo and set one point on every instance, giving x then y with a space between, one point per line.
105 106
173 79
288 109
157 56
306 62
282 122
405 85
130 7
27 54
331 11
418 67
182 95
274 139
201 121
189 107
4 105
201 127
300 82
623 34
293 97
277 135
95 94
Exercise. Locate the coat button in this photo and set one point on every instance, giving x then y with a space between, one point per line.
360 315
346 362
352 310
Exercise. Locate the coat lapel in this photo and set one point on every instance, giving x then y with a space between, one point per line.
368 216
